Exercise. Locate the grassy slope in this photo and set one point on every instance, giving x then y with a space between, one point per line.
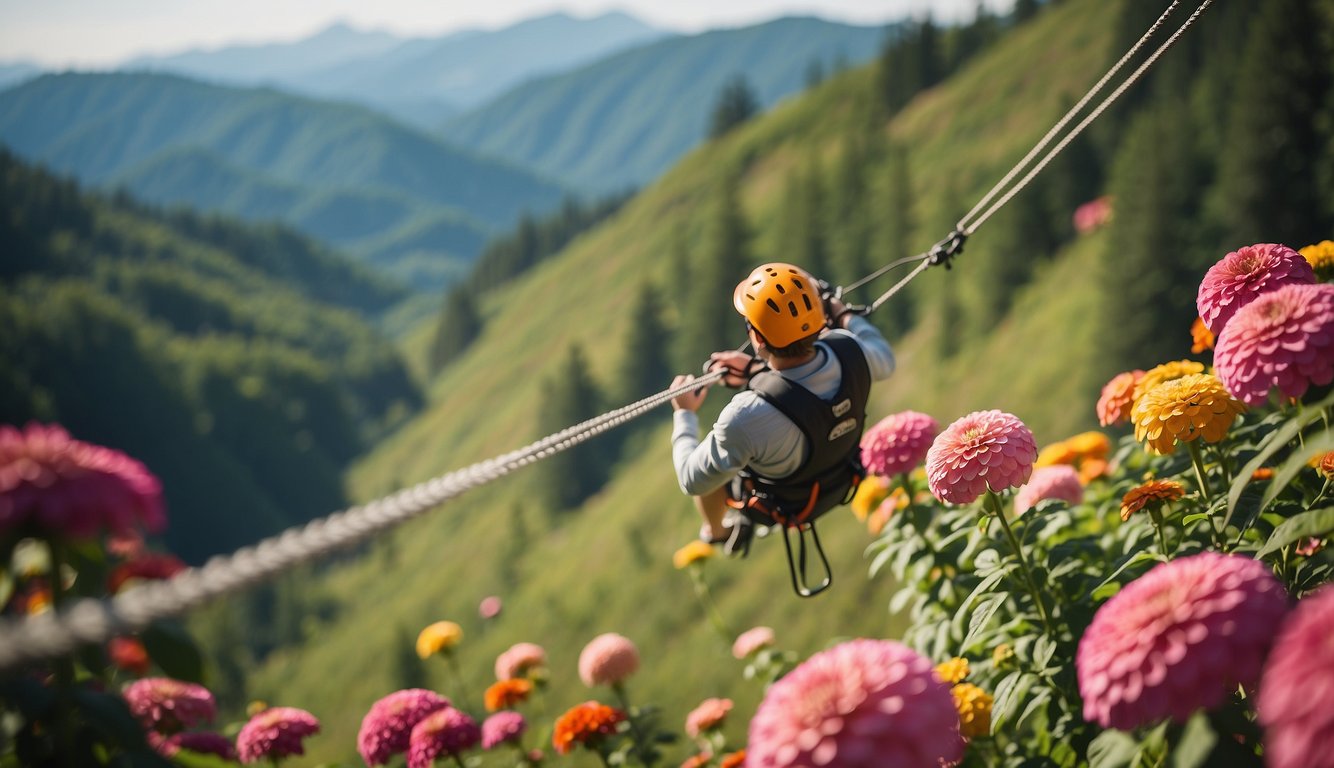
607 566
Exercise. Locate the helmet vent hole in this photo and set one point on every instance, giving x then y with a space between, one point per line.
780 289
807 299
773 305
792 307
797 282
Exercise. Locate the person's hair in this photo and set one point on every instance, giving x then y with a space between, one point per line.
799 348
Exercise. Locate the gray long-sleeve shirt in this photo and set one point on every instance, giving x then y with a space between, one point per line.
752 433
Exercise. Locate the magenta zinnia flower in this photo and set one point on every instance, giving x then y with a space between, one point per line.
860 703
444 732
1242 275
72 488
520 658
386 728
752 641
502 727
1180 638
167 706
983 450
1058 481
607 660
1283 339
275 733
1294 702
898 443
203 742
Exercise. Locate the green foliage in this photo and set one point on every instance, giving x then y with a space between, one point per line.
458 327
645 366
571 397
710 322
735 105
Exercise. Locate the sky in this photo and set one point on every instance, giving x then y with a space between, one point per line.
96 33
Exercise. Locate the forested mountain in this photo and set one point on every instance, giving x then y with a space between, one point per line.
623 120
237 362
17 71
421 80
870 166
344 174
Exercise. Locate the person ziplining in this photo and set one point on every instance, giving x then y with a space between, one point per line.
785 449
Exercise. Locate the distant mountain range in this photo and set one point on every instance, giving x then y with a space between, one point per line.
419 80
350 176
625 119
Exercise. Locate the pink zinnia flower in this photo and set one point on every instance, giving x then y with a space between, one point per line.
983 450
1245 273
752 641
203 742
520 658
502 727
489 608
445 732
386 728
1118 395
1294 702
709 715
1093 214
148 566
72 488
607 660
1059 481
1283 339
167 706
861 703
1180 638
898 443
275 733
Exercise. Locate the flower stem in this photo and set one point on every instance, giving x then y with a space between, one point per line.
706 600
456 673
994 501
63 726
636 739
1198 461
1157 518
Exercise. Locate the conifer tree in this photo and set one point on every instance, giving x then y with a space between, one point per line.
736 104
801 230
645 368
711 324
893 240
409 671
458 327
571 397
1278 147
848 214
1025 10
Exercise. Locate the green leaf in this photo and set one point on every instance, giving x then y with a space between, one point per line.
1319 443
1196 517
172 648
1197 741
1043 650
1112 749
1008 700
1034 705
110 715
901 599
977 623
1316 522
1137 558
1271 445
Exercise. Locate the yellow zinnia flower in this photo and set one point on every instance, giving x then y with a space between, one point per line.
1090 445
1056 453
1002 656
440 637
1321 258
953 671
1201 338
1189 408
1164 373
870 493
694 552
974 705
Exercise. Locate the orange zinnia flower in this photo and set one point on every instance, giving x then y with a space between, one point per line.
1323 464
1056 453
506 694
1091 469
694 552
1117 397
1201 338
734 760
1150 494
1263 473
1090 445
585 724
697 761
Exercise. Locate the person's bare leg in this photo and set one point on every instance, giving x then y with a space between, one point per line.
712 506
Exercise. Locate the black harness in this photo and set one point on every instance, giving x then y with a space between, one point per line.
831 471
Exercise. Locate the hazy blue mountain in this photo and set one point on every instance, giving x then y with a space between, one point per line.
420 80
12 72
626 118
343 173
272 63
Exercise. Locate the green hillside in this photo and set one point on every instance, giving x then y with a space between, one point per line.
622 121
341 173
239 363
1032 319
607 566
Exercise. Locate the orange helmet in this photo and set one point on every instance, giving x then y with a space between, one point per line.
782 302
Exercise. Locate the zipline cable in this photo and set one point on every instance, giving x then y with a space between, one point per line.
90 620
